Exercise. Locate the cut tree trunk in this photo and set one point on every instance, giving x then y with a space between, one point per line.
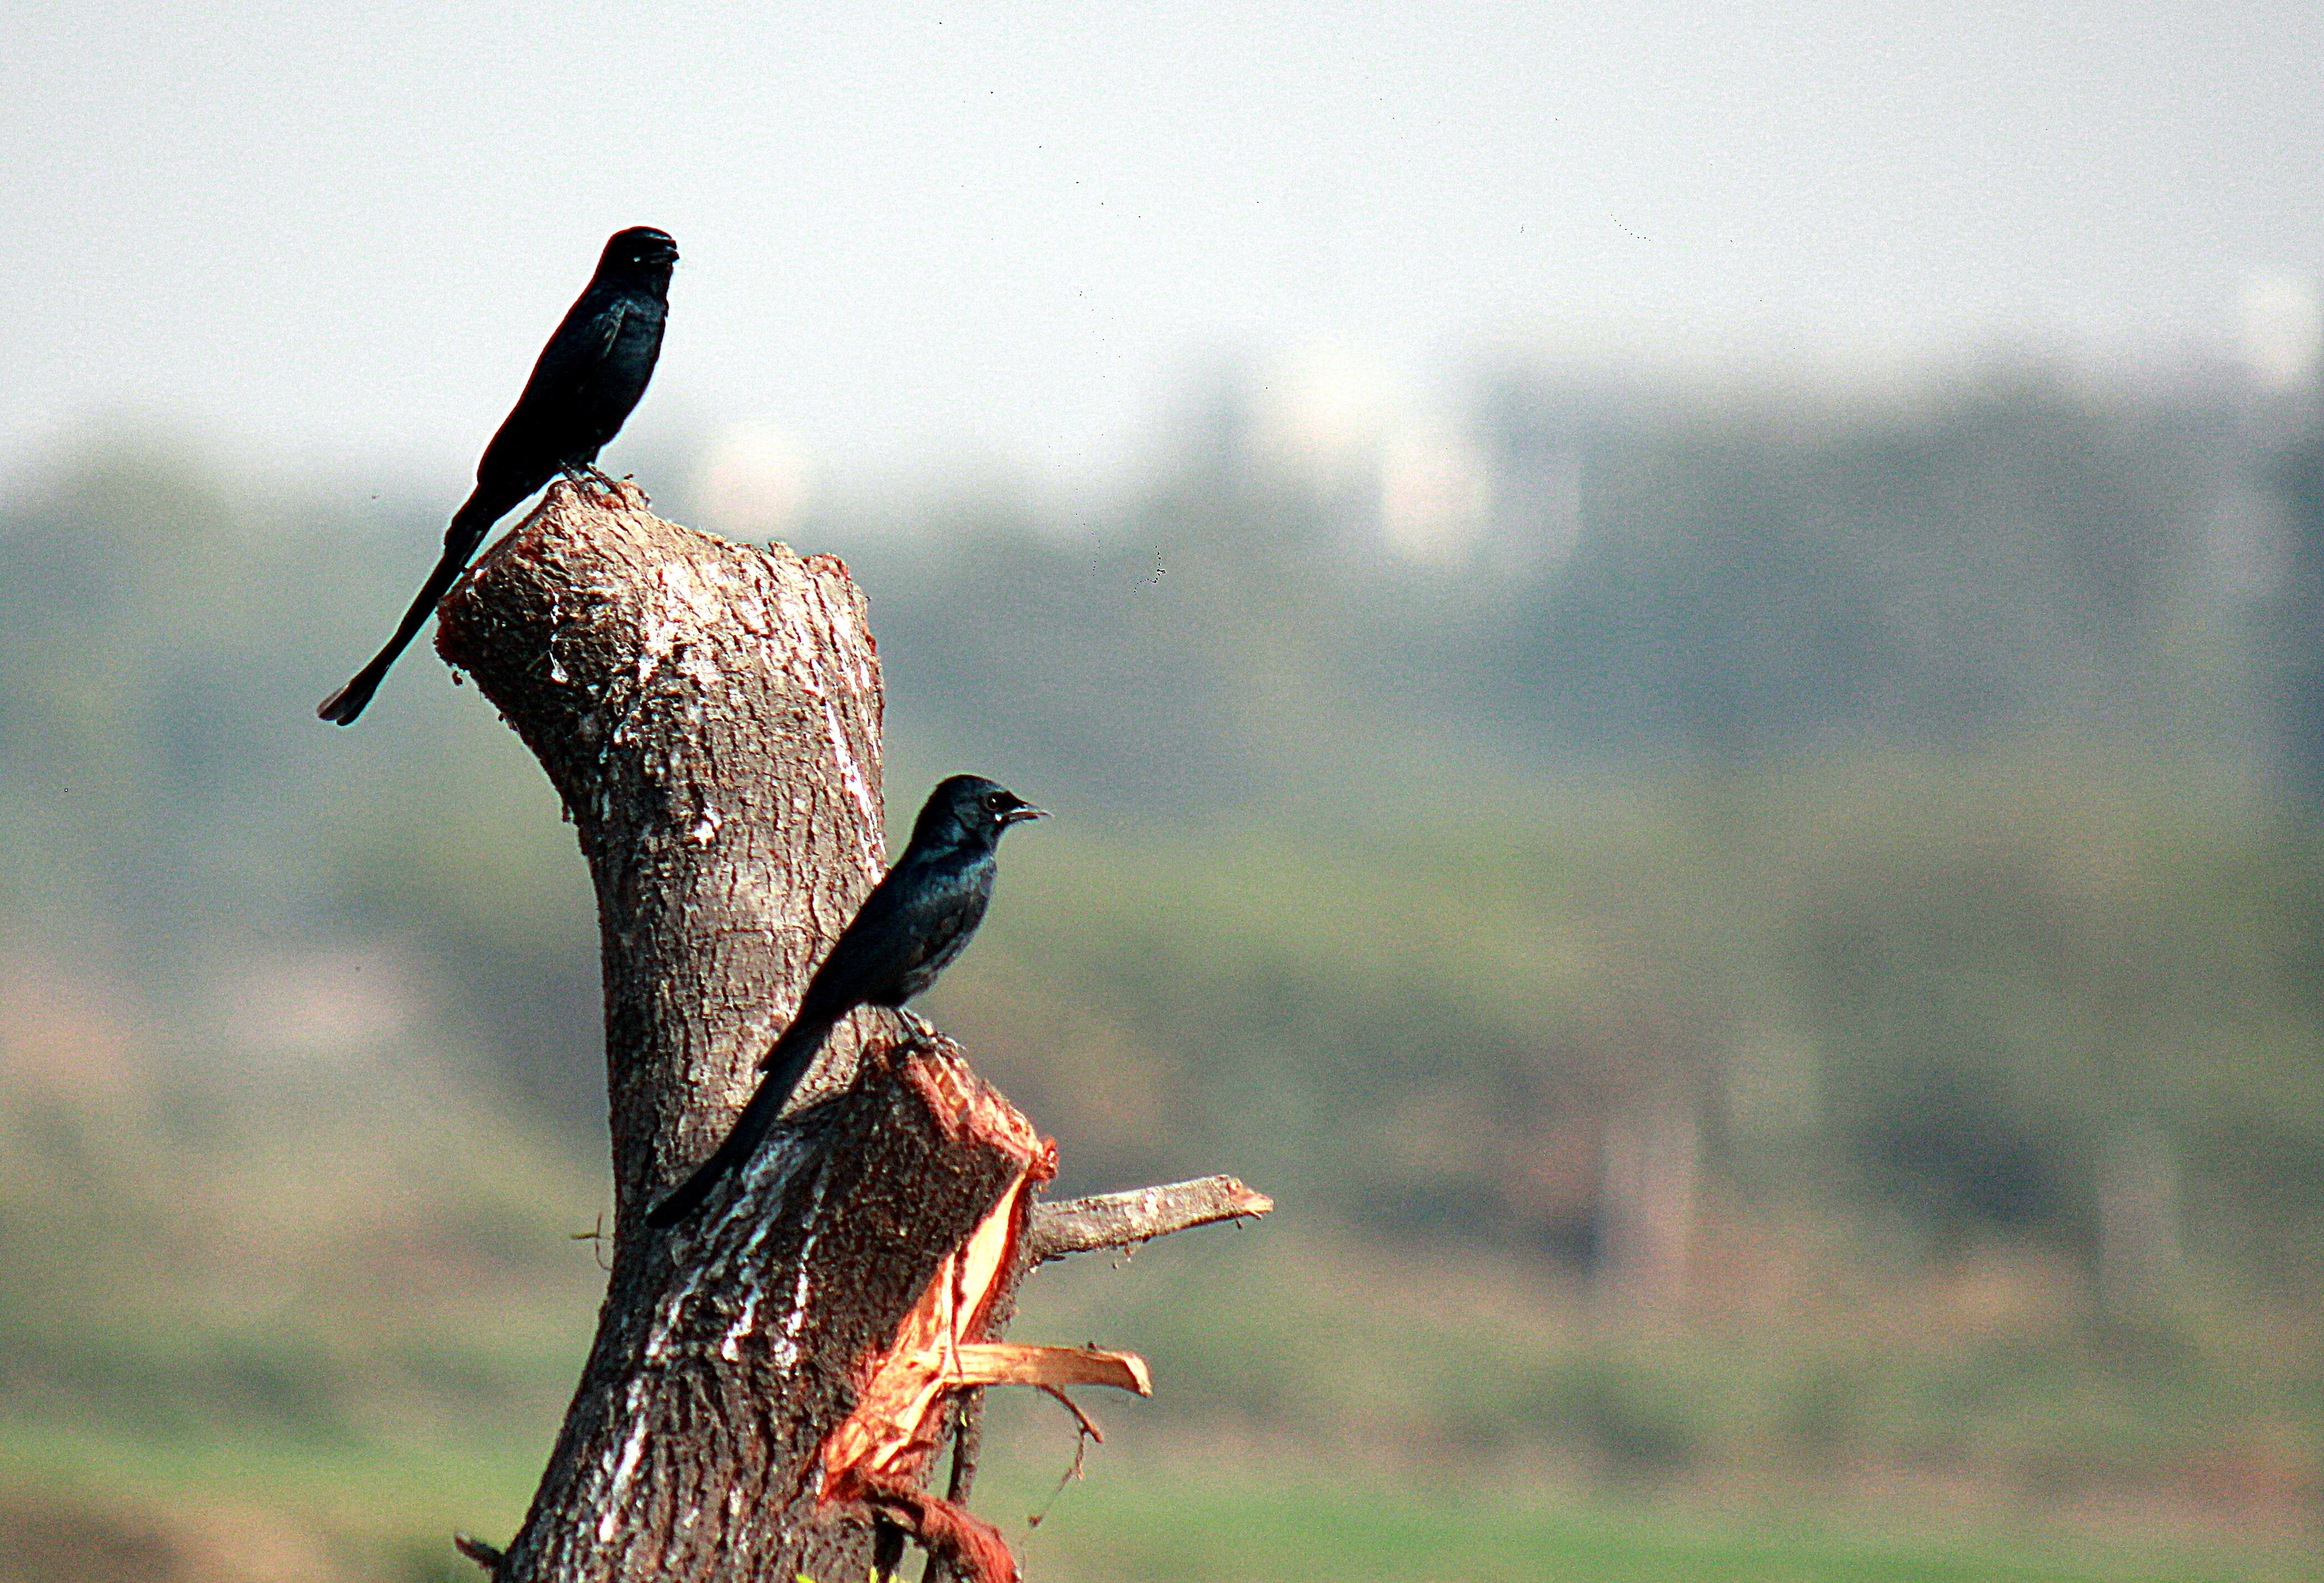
769 1382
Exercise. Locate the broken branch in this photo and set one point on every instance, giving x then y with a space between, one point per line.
1115 1219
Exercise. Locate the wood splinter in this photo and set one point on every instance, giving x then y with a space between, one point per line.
876 1458
1013 1363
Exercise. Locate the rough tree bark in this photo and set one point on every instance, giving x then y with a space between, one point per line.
769 1384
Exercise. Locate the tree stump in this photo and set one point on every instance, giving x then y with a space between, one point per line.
770 1383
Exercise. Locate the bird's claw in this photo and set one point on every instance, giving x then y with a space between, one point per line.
593 480
920 1029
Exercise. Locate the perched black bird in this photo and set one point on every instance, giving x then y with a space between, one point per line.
589 378
916 920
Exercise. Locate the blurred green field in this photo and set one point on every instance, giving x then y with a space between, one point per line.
1310 1529
338 1297
108 1512
1785 1047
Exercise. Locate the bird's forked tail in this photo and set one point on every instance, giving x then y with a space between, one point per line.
785 1065
750 1130
469 526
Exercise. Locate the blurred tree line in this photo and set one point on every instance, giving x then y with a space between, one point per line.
1884 786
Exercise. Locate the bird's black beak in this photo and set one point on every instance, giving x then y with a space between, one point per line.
1021 812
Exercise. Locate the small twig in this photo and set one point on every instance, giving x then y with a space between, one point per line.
1114 1219
595 1238
967 1440
1088 1425
1084 1431
485 1555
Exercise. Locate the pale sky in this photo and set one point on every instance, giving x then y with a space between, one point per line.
335 235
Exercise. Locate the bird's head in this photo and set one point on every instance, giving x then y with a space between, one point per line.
968 809
639 249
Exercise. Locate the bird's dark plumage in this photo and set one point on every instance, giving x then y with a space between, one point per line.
916 920
589 378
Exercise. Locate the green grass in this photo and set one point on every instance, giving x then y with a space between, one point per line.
1128 1528
372 1514
386 1518
471 1485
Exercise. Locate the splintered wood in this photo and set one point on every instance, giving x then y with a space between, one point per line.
877 1454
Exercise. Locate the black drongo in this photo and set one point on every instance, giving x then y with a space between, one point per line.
589 378
916 920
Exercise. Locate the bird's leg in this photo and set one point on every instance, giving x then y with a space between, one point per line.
591 479
922 1030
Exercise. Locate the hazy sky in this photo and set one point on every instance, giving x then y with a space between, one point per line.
337 234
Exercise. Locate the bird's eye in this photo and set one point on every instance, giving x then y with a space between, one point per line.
994 801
